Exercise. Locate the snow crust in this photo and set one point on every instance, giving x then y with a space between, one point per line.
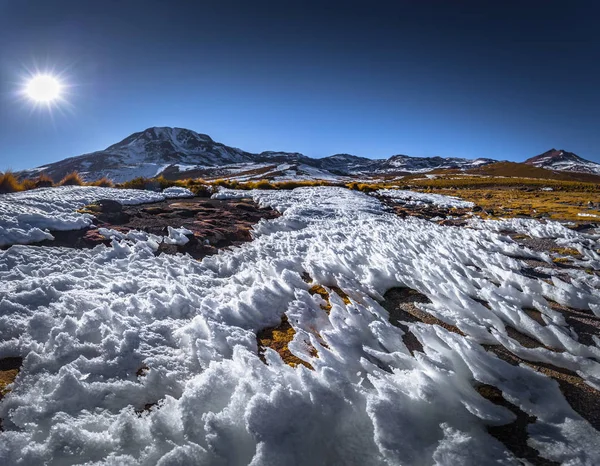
26 217
133 358
419 199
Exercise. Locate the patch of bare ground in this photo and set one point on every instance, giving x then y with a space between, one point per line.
215 224
585 324
278 338
513 435
584 399
9 369
400 303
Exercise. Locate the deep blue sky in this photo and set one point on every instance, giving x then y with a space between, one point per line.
505 80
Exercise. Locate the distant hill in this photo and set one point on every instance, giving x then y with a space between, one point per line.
524 170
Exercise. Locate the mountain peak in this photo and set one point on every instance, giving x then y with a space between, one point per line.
562 160
167 134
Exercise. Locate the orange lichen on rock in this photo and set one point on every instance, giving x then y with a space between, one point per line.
278 338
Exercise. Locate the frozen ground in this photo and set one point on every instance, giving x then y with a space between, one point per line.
132 358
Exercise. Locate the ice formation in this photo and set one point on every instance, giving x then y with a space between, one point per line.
132 358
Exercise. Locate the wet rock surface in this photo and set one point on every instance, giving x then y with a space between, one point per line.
215 224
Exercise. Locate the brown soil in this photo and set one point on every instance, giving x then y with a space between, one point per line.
9 369
585 400
513 435
216 224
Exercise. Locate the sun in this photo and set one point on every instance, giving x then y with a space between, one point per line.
43 88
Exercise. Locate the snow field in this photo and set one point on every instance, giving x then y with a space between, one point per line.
89 323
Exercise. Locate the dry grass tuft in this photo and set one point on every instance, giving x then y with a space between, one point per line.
9 183
72 179
103 182
43 181
28 184
136 183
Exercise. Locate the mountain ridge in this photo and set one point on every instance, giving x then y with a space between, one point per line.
179 152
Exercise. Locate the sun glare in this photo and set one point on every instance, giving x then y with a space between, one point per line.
43 88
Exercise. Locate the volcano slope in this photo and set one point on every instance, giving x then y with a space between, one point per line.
341 334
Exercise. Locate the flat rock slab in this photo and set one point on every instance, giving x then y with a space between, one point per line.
215 223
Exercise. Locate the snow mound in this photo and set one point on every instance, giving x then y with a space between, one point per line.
420 199
25 216
178 236
138 359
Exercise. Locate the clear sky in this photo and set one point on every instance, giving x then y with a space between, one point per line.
505 80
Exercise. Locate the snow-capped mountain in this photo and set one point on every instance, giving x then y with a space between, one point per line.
425 164
148 153
182 153
564 161
346 163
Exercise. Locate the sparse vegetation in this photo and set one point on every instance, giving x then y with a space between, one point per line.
103 182
43 181
489 182
497 196
553 205
267 184
566 251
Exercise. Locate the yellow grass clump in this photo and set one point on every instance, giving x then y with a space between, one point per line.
103 182
9 183
72 179
43 181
